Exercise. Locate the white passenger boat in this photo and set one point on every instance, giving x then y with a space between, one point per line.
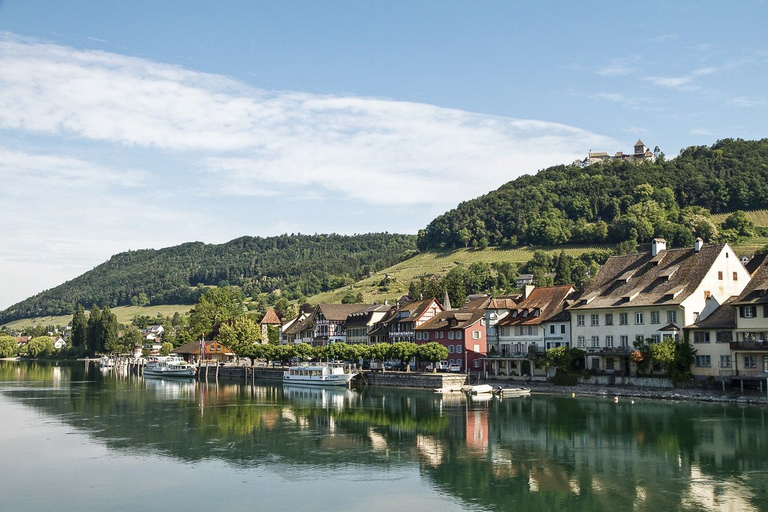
171 366
480 389
327 374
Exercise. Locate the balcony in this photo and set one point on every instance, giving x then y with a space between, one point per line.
749 345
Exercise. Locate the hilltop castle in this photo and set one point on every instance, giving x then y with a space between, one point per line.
641 154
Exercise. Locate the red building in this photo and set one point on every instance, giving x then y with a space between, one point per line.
462 332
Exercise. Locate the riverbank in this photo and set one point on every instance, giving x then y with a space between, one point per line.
675 394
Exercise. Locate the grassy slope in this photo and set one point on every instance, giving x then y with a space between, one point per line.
758 217
124 315
433 262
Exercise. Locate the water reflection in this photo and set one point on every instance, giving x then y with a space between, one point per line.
536 453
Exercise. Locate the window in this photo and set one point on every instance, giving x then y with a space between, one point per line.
720 275
735 276
475 335
609 319
450 335
624 341
609 341
623 319
582 341
703 361
655 338
595 341
594 320
450 349
725 361
580 320
765 311
506 331
609 363
724 336
638 319
639 338
671 317
459 335
750 362
655 317
701 337
552 329
476 363
418 334
748 311
458 350
477 348
562 328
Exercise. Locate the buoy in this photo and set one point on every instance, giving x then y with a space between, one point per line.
632 401
573 395
616 399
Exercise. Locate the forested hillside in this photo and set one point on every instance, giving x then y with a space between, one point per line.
298 265
615 202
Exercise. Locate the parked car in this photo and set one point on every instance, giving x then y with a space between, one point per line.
442 366
454 368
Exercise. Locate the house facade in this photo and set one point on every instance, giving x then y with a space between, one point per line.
651 296
749 345
539 321
462 332
361 324
402 325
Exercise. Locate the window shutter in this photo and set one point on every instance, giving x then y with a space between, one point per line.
741 312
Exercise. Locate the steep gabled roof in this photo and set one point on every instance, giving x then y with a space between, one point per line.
300 326
414 310
270 318
756 291
541 305
506 302
366 316
453 319
644 280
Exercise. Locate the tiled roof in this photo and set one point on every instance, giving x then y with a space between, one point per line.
364 317
340 312
756 291
193 347
270 317
299 326
724 317
643 280
460 318
507 302
541 305
415 309
478 303
755 263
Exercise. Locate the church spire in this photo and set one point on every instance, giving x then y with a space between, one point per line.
447 302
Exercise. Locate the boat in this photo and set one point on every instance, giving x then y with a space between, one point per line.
106 363
170 366
511 392
479 389
318 374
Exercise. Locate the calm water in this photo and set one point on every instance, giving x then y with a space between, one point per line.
74 438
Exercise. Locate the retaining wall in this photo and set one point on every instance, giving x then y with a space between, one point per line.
637 382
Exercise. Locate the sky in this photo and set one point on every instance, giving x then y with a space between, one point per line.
138 124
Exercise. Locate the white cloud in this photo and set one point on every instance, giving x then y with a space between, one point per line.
700 131
129 141
743 101
680 82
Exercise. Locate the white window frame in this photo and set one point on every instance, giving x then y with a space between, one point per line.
639 318
475 335
580 320
595 341
582 341
594 320
609 341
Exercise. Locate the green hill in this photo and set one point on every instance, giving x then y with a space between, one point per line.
297 265
614 202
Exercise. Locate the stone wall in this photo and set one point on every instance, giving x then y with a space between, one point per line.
637 382
414 379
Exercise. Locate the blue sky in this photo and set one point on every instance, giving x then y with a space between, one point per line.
127 125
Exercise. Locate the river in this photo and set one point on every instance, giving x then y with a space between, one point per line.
76 438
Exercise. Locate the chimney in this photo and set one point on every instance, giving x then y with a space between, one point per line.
698 245
658 245
527 289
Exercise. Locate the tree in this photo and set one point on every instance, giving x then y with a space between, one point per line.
403 351
79 337
93 335
465 235
238 334
40 347
431 352
166 348
109 341
131 339
8 346
663 354
739 222
215 306
273 335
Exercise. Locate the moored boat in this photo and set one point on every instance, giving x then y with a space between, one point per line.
171 366
480 389
106 363
511 392
318 374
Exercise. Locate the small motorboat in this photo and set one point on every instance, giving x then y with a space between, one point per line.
480 389
511 392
